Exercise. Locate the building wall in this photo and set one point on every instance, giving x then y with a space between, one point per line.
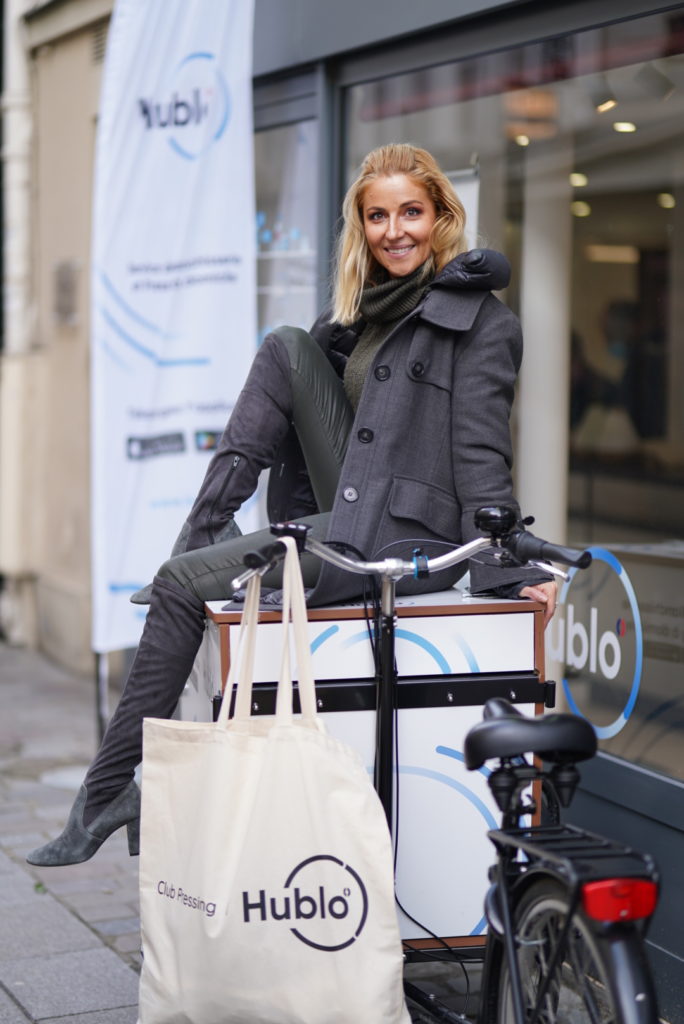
45 546
66 89
295 32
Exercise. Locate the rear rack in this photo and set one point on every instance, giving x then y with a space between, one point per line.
576 854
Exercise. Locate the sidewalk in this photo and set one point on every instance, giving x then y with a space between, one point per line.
69 937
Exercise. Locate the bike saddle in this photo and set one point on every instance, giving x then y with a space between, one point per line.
505 732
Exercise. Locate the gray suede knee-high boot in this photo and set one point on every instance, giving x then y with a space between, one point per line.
257 426
109 797
291 387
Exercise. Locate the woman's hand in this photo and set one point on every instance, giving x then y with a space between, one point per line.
546 594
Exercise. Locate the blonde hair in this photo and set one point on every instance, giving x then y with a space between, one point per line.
355 266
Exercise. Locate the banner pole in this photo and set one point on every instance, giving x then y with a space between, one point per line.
101 695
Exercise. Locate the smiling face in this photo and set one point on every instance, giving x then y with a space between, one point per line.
398 215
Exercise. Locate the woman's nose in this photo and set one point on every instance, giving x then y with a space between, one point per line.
393 227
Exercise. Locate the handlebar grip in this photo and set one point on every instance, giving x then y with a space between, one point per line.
267 555
525 546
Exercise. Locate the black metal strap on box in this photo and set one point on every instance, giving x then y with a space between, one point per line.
465 690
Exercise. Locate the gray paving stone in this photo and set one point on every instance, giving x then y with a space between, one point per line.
10 1012
40 927
118 926
92 980
7 865
17 887
127 943
135 960
93 907
15 821
30 791
23 842
127 1015
69 880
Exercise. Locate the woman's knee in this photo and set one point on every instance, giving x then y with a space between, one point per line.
301 348
175 571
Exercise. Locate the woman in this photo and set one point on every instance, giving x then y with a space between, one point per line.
400 404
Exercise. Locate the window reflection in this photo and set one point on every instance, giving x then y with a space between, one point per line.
286 169
578 144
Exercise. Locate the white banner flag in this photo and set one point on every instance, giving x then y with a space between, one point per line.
173 281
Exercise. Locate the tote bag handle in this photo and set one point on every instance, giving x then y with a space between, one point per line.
294 608
242 663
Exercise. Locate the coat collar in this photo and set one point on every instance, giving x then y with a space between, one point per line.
460 288
451 309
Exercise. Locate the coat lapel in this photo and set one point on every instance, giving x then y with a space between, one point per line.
455 313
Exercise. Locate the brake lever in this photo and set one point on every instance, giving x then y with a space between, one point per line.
509 561
554 570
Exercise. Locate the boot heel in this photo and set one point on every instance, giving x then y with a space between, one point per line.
133 833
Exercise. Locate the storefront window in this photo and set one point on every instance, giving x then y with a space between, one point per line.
595 122
286 169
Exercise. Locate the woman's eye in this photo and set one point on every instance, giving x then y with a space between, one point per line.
413 211
376 215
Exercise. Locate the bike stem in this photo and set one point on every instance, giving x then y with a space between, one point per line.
386 678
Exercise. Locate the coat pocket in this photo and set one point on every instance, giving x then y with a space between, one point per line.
433 507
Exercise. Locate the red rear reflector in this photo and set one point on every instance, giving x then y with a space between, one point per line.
619 899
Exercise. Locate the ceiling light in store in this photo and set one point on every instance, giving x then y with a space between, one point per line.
602 95
666 200
522 140
654 82
578 180
624 126
612 253
580 208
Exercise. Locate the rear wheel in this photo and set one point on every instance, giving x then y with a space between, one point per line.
595 975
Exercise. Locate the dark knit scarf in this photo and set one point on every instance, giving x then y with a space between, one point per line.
382 306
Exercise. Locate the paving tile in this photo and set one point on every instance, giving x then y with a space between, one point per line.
6 864
40 927
67 881
29 791
17 887
118 926
135 960
127 1015
127 943
94 907
10 1012
16 821
70 983
23 842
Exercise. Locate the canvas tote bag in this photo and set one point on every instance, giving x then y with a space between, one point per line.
266 878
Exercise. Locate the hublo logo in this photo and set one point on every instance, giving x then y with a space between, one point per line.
323 899
175 112
193 110
580 640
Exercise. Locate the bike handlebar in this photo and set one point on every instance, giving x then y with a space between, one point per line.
499 522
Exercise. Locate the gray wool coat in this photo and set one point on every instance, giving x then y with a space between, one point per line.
431 440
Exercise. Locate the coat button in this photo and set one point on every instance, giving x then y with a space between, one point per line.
417 369
365 435
350 494
382 372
